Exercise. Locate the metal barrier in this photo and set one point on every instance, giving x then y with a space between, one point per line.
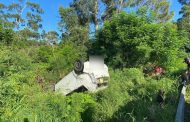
181 105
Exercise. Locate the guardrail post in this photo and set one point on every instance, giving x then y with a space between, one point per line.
181 105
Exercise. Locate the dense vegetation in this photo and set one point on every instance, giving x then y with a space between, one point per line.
32 62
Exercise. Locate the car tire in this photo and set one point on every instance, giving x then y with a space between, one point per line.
78 67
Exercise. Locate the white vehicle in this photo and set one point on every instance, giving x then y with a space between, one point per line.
90 76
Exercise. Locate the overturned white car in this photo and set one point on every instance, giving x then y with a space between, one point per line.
90 76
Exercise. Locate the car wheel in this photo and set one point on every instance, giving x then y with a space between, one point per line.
78 67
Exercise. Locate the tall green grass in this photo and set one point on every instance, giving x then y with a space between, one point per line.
130 97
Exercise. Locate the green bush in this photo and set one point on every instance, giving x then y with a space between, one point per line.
129 41
131 97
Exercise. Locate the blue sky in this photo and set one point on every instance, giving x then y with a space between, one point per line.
51 15
175 6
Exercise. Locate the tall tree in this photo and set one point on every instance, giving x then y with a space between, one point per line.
185 11
87 11
69 19
21 14
71 27
160 9
16 12
91 11
34 16
183 23
4 17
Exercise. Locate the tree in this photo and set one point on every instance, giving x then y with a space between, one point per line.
90 11
6 36
159 9
129 40
185 11
183 23
22 14
68 20
52 37
71 28
97 11
27 34
34 16
15 12
4 17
